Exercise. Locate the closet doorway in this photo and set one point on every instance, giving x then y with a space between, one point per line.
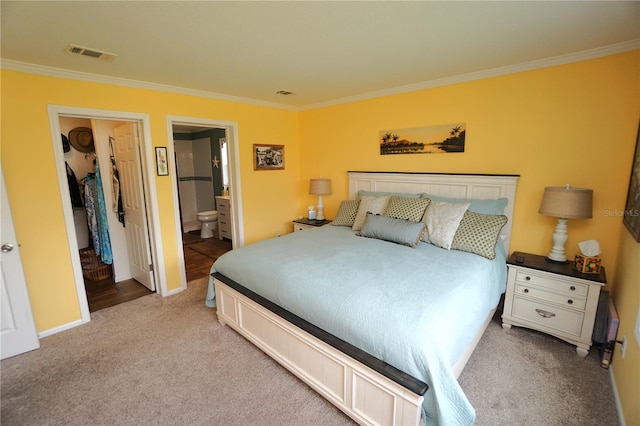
147 168
105 184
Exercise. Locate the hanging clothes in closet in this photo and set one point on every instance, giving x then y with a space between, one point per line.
97 215
116 195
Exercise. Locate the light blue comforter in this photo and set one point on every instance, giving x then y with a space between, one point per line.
416 309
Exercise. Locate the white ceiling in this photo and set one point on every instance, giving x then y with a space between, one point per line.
325 52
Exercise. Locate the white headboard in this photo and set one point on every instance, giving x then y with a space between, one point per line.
481 187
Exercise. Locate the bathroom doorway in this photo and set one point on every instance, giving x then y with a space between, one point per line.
202 180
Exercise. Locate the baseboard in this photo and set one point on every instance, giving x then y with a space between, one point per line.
616 396
58 329
176 291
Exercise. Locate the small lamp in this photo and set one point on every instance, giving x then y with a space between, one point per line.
320 187
565 203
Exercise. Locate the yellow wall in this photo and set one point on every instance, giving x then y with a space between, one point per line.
573 124
626 296
270 198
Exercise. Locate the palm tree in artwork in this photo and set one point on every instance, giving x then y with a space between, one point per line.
395 138
455 131
386 138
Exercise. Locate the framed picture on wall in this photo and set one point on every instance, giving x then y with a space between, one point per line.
631 217
162 166
268 157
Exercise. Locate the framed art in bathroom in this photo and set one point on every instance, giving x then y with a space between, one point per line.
268 157
162 167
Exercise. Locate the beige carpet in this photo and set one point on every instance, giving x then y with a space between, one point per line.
156 361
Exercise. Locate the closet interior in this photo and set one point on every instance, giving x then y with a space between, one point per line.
96 199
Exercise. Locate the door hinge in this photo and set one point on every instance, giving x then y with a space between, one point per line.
151 266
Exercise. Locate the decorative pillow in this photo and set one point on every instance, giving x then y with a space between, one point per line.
479 206
387 228
442 220
375 205
407 208
363 193
478 233
346 213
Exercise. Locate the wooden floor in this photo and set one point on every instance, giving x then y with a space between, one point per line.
199 255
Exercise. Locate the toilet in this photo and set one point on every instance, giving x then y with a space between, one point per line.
209 221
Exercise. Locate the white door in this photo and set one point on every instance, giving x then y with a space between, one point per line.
18 331
131 187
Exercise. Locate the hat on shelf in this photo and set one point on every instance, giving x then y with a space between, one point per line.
81 138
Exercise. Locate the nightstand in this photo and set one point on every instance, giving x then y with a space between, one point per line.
552 298
304 223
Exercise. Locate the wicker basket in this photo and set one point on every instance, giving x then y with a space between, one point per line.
92 266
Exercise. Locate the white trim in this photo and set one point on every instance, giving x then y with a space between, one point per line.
64 327
616 397
11 65
584 55
57 111
493 72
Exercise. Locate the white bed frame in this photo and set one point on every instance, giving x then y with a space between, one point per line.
367 395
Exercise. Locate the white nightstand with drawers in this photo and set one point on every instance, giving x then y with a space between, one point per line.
553 298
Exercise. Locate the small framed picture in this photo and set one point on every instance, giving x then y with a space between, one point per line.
268 157
162 166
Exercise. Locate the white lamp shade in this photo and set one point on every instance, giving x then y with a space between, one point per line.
320 186
567 202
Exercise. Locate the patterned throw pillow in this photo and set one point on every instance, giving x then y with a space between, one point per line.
442 221
407 208
375 205
346 213
404 232
478 233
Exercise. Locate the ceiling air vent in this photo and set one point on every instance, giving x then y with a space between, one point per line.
91 53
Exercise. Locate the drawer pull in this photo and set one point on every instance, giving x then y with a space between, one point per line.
573 288
570 302
526 290
527 278
545 314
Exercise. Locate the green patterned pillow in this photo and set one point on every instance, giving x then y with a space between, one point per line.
406 208
478 233
346 213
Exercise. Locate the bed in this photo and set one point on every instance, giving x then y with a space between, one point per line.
378 322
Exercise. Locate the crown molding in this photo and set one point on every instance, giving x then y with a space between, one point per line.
493 72
28 68
584 55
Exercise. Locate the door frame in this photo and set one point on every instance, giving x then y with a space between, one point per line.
235 186
149 185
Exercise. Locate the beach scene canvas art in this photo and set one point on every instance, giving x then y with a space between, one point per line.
424 140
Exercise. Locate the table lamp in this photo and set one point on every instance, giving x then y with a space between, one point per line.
565 202
320 187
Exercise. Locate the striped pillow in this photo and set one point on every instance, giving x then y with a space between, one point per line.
397 231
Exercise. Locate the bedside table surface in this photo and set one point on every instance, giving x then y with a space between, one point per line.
541 263
312 222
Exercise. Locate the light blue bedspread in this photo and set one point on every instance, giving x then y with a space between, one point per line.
416 309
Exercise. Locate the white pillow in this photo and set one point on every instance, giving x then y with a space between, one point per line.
375 205
442 220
